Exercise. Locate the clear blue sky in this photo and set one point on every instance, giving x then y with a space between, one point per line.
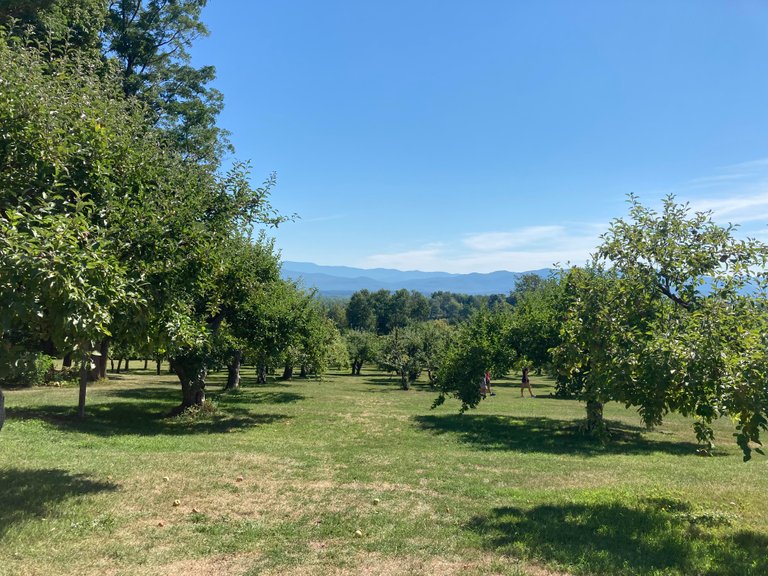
472 136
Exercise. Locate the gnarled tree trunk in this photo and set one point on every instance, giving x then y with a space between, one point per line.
192 376
595 422
233 371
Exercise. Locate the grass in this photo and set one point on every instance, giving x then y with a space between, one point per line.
353 476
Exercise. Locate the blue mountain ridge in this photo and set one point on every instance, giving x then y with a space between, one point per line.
345 280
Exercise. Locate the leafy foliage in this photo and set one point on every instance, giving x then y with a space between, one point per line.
678 323
481 344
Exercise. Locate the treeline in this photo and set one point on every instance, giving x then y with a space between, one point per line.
383 311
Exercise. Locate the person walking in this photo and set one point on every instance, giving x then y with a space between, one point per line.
525 382
488 383
483 387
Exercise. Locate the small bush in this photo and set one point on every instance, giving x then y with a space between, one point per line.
26 369
209 409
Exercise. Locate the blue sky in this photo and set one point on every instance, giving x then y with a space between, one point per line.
464 136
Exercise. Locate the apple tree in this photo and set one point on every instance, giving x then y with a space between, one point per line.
671 318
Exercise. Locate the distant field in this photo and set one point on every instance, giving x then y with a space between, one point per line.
353 476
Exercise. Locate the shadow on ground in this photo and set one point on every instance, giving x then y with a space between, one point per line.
148 418
658 536
536 434
171 395
35 493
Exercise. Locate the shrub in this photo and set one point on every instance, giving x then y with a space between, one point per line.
26 369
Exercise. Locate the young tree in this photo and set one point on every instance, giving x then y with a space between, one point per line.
435 337
362 347
399 353
481 344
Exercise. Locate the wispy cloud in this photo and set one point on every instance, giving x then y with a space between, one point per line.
494 241
748 166
741 208
519 250
324 218
717 180
737 193
420 259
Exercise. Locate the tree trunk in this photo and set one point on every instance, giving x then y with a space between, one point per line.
112 364
119 363
192 375
404 384
85 365
233 371
262 377
595 422
126 364
67 362
146 363
2 409
288 372
303 373
101 361
159 362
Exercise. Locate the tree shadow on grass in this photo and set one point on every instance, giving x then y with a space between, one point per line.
35 493
246 396
654 536
142 419
536 434
381 380
171 395
167 394
393 384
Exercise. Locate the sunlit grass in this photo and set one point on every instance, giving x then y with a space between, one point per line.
352 475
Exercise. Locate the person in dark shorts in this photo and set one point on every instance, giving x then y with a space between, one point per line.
525 382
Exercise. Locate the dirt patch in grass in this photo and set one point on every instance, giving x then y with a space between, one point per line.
219 565
373 564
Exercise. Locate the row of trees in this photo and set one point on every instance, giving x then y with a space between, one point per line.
118 224
384 311
669 316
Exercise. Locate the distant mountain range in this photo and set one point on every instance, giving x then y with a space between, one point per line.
344 281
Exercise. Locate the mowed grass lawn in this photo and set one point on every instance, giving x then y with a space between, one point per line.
351 475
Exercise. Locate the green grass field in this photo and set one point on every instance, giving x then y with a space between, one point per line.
354 476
